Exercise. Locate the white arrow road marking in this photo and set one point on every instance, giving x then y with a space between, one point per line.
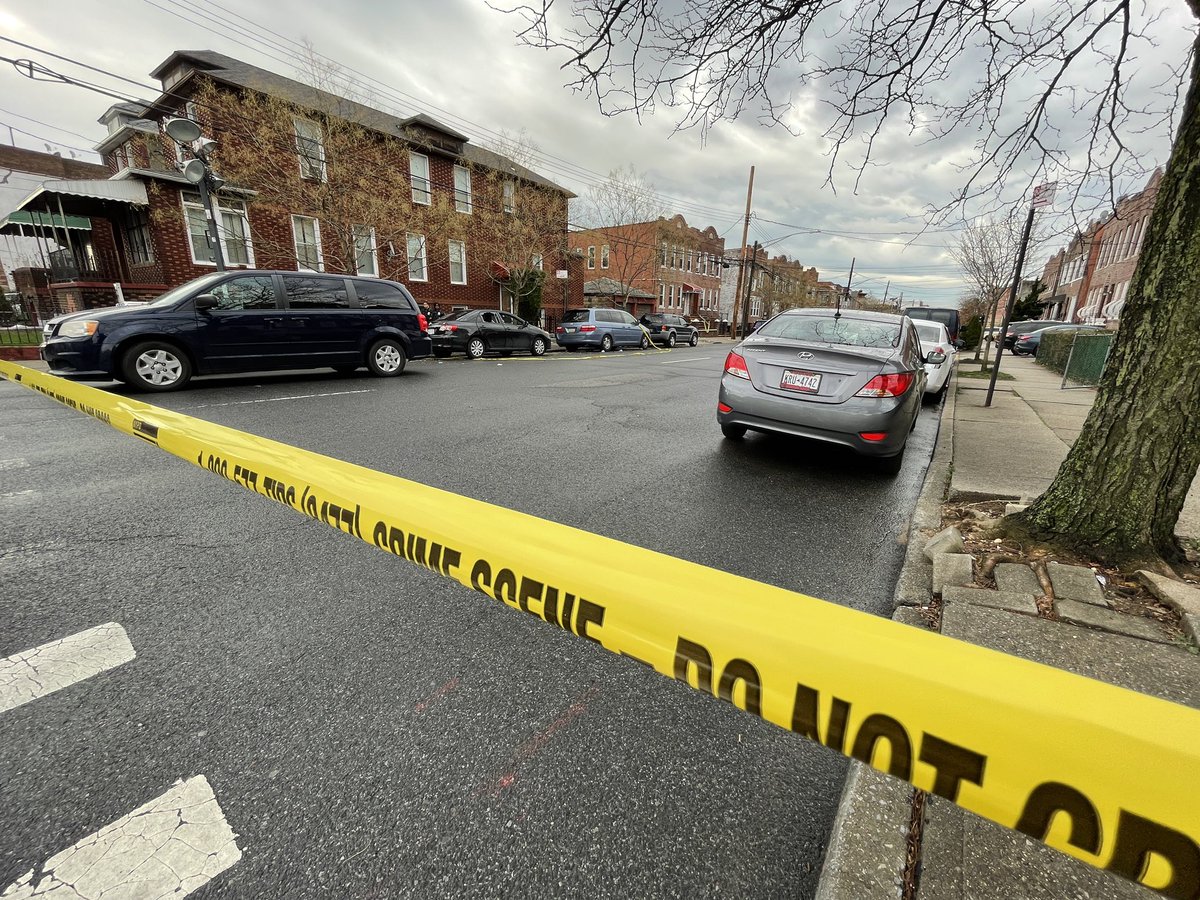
167 848
277 399
59 664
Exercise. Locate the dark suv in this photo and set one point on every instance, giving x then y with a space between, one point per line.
667 329
243 321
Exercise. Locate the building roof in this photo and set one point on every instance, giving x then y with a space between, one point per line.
610 287
234 72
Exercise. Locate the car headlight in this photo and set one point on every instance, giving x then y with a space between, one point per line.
78 328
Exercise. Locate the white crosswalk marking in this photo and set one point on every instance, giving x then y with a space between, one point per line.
59 664
169 847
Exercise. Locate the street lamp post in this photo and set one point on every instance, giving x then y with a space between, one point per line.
200 173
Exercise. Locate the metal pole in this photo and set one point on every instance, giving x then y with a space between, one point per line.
737 293
749 292
214 233
885 291
849 278
1008 310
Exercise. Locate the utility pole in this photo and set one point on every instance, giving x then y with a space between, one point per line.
737 294
885 291
1043 195
850 278
749 292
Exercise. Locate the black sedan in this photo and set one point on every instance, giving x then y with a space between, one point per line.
479 331
1028 344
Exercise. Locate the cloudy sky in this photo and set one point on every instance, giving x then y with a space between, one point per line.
458 61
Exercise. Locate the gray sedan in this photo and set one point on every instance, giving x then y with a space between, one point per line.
854 379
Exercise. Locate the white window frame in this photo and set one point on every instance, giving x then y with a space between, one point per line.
538 261
298 125
422 256
591 256
461 204
509 193
317 236
222 234
421 195
604 256
368 232
462 261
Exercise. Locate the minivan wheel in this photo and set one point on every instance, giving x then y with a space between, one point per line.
671 339
156 366
386 358
645 345
606 343
538 348
695 338
476 348
734 432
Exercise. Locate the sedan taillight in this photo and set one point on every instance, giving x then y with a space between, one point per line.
735 365
892 385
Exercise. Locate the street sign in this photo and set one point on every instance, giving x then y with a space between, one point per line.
1043 194
560 273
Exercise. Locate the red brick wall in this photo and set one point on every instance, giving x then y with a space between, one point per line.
36 163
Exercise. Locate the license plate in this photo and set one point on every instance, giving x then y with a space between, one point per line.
569 330
796 380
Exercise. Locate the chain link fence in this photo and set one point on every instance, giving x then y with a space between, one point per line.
1079 356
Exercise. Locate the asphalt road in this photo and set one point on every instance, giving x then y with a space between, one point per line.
371 730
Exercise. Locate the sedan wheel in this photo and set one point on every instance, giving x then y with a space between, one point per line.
671 339
155 366
734 432
695 339
476 348
538 348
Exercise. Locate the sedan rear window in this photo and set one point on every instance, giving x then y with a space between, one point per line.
929 331
842 330
577 315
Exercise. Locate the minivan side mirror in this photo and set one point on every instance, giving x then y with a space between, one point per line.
206 301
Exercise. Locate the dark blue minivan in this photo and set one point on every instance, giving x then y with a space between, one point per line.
243 321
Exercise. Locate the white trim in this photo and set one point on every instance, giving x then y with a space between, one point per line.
222 234
605 254
370 235
319 139
413 177
591 256
296 244
424 256
470 201
462 249
509 196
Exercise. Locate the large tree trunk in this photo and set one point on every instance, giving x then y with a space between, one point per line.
1118 495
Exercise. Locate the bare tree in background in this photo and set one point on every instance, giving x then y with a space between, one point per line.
1040 88
986 251
631 215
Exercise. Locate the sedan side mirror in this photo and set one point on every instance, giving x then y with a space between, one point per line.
935 358
960 344
206 301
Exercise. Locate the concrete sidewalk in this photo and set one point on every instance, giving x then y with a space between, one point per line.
1009 450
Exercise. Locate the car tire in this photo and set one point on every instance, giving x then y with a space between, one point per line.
476 348
441 353
695 339
733 432
606 343
891 465
671 339
538 347
386 358
645 344
156 366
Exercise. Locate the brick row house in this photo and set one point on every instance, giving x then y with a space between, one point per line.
664 266
312 181
1087 281
778 283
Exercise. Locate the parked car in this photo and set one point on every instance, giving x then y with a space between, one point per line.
600 328
668 329
479 331
854 379
1027 344
1016 329
945 315
244 321
936 340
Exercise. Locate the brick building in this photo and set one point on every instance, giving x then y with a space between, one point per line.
313 182
678 266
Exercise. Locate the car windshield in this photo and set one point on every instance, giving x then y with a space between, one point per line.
468 316
195 286
929 331
841 330
577 315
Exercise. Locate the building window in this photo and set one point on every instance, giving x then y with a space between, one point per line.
365 260
462 189
417 268
458 262
671 296
662 295
137 238
510 193
233 228
306 235
123 156
310 147
604 256
592 256
538 261
418 165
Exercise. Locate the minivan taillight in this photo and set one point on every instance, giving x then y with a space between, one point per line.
735 364
422 322
587 328
887 385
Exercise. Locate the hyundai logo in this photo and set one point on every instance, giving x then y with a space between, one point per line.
804 354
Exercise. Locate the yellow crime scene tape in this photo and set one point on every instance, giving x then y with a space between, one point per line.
1105 774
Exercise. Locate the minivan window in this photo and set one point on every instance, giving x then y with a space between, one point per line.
195 286
578 315
833 330
608 315
305 292
380 295
246 292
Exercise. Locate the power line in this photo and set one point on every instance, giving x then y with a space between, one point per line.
45 140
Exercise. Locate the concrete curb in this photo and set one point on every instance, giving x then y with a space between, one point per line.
868 846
